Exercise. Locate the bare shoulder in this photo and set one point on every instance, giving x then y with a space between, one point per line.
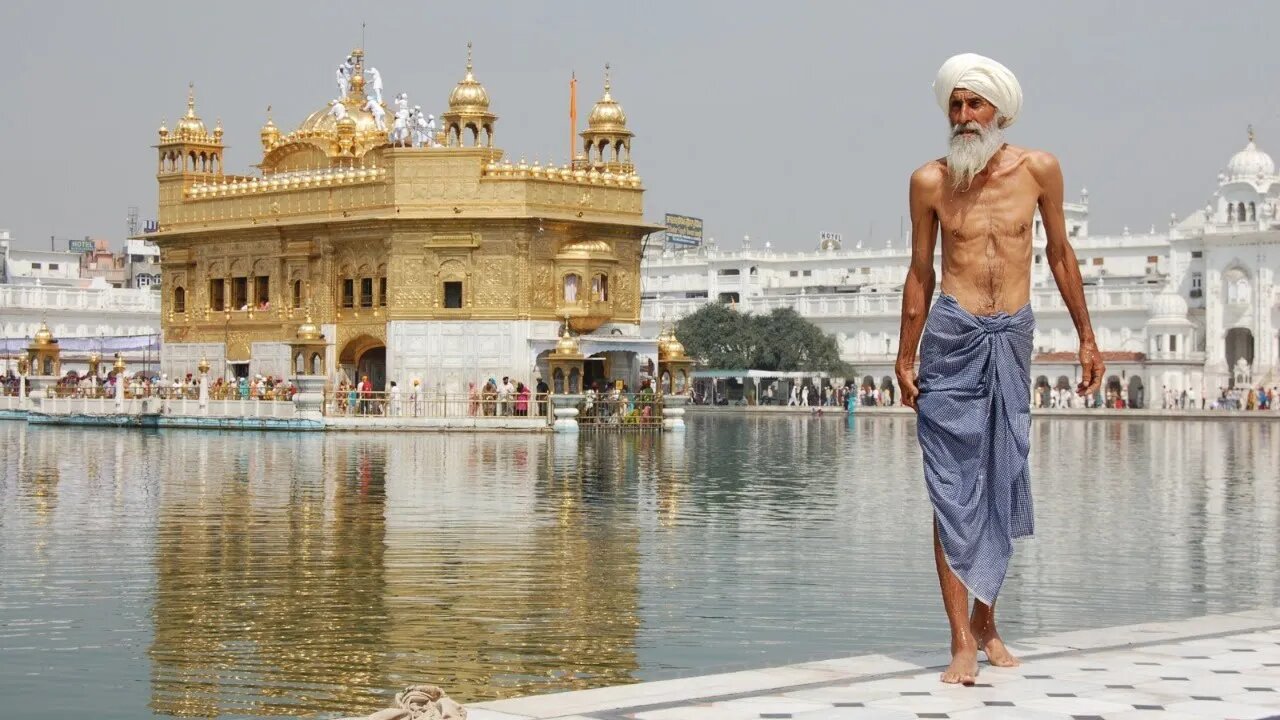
1042 163
929 177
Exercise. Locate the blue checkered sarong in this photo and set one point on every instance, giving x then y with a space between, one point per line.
974 423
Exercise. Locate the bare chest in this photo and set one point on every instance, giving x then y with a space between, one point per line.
999 210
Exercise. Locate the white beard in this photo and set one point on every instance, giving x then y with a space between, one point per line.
969 154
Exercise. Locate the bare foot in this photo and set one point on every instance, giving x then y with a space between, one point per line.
997 654
963 669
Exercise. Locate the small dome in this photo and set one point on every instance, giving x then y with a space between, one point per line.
829 243
43 335
164 130
567 345
1168 305
1250 162
309 331
270 133
190 125
669 346
607 114
469 95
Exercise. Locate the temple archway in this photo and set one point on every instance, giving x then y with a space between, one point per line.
1113 388
365 355
1137 392
1239 344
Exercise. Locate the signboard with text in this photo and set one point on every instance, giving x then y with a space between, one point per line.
683 230
80 246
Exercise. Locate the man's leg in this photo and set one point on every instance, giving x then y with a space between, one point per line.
983 623
955 598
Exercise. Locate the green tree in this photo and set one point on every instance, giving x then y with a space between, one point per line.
719 337
723 338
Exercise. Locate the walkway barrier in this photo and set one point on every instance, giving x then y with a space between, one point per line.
621 411
353 403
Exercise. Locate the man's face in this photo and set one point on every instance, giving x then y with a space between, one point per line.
969 107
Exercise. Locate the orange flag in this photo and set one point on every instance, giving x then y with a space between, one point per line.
573 113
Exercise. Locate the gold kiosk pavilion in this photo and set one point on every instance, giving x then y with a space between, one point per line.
431 257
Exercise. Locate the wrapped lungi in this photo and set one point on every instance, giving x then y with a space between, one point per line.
974 422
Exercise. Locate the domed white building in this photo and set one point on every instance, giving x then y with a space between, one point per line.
1194 306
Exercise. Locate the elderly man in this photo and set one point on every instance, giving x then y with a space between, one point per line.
971 394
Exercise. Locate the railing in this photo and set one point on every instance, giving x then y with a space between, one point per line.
183 406
620 411
282 393
132 300
353 403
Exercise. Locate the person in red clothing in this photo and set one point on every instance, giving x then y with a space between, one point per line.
366 395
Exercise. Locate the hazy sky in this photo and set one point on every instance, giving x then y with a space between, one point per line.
778 120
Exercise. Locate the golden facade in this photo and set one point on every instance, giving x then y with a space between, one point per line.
362 233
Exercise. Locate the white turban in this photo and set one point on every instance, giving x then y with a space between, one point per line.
984 76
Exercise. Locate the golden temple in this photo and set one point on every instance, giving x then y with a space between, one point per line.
438 259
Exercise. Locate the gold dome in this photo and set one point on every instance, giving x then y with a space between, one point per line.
607 113
189 125
669 347
309 331
43 335
270 133
322 122
469 95
567 345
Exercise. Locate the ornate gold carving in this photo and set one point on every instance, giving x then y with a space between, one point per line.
544 288
494 290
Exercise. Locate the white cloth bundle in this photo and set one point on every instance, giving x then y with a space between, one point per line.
984 76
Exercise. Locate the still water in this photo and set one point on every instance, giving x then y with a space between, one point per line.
185 573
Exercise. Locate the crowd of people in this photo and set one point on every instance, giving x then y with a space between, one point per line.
508 398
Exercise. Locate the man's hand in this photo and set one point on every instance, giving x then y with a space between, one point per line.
907 385
1092 369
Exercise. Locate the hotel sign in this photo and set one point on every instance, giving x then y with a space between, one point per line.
684 230
80 246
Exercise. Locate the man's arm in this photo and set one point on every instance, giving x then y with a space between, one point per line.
1065 268
917 291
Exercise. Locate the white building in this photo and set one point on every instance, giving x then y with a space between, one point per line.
84 315
1192 306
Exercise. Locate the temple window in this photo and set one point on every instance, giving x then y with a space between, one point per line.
453 293
262 292
600 288
382 292
297 293
571 283
179 300
1253 212
240 293
366 292
348 293
218 294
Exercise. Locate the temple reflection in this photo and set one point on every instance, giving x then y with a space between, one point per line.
320 573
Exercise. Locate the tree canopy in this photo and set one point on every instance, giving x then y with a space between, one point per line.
722 338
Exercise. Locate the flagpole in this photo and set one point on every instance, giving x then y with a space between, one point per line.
573 114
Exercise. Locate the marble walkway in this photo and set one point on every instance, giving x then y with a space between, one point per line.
1206 668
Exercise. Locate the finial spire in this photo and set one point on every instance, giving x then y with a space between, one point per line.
468 56
606 78
1250 132
191 99
268 113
